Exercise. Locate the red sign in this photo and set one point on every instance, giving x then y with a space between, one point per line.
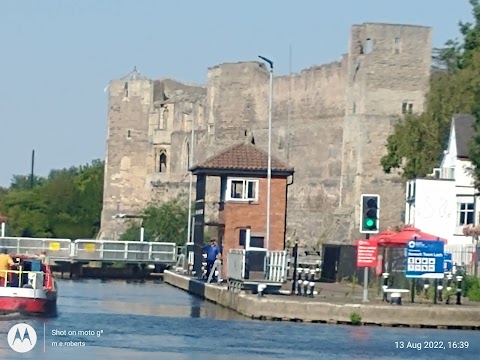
367 253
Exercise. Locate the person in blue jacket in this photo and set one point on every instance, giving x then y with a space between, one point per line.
213 253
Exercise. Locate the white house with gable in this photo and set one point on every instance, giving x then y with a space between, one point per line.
444 203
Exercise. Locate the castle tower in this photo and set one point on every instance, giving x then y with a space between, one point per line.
127 151
388 76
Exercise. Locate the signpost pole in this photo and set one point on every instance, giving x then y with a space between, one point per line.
413 290
365 278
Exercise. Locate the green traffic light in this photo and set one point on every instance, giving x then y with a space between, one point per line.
369 223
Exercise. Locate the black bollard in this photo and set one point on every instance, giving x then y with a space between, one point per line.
440 290
426 285
312 282
385 286
295 268
459 290
305 281
299 282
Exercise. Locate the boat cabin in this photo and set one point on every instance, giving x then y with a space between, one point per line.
27 272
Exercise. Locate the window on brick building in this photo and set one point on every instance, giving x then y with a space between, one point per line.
242 189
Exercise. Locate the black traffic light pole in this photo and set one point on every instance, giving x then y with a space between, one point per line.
369 223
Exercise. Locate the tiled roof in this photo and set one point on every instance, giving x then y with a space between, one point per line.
464 132
244 157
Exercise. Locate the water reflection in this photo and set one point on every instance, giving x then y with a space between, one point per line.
156 321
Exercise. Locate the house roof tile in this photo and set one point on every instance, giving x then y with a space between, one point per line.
464 131
243 157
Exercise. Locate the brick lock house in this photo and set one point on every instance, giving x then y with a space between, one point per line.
242 169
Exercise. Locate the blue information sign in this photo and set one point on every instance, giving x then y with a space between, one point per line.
447 260
425 259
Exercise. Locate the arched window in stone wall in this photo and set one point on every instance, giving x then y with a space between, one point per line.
161 160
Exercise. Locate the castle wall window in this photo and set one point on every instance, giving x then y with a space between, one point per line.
242 190
161 161
465 214
368 46
129 134
164 119
125 89
407 108
396 45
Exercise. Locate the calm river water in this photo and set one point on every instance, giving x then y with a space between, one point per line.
155 321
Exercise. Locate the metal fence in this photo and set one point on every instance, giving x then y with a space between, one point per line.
463 256
93 250
276 267
56 248
113 250
236 264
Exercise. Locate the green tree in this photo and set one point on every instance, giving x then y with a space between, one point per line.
418 141
164 222
67 204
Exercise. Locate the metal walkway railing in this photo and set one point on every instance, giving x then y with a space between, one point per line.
93 250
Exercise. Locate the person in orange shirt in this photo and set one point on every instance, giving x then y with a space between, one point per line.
5 262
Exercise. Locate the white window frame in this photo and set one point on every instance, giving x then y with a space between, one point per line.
465 211
244 197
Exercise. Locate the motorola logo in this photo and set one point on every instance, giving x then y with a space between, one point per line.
22 338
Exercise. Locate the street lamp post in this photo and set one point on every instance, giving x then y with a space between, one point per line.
190 225
269 165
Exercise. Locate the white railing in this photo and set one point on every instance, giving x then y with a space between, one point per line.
113 250
276 266
91 250
35 279
57 248
236 264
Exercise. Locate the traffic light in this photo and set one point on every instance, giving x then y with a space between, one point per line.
369 212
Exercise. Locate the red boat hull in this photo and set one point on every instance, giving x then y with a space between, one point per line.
29 305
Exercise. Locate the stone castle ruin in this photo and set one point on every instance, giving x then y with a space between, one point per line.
330 122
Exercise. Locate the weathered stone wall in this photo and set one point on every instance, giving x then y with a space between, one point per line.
307 124
393 69
126 161
330 122
153 118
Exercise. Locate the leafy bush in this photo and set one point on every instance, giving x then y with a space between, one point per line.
356 319
164 222
472 288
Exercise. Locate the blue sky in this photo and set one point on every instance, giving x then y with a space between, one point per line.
57 56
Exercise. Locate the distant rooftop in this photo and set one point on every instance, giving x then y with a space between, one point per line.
464 131
243 157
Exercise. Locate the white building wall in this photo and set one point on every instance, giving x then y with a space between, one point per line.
463 174
431 207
